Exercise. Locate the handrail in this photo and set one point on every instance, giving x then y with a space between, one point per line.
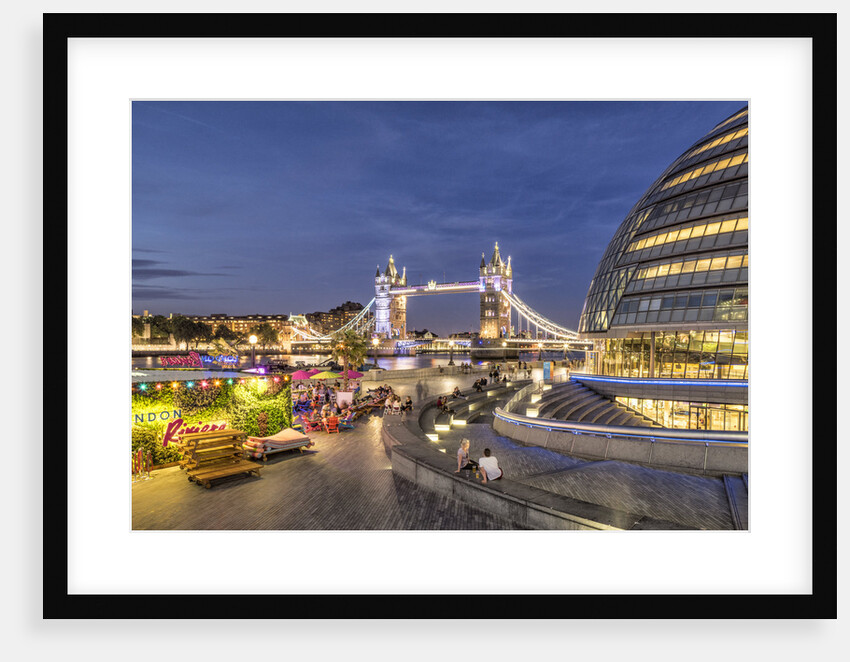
507 413
716 437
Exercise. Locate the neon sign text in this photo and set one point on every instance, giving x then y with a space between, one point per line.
177 428
221 359
193 360
152 416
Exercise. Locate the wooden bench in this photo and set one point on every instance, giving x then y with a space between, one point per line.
205 475
211 455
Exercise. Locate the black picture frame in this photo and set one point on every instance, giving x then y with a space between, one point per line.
58 603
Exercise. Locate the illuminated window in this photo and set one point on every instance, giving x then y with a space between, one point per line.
731 119
722 140
693 232
714 166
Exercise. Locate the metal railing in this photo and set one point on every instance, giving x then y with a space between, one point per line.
509 414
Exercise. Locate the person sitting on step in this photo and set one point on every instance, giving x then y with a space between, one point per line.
463 461
489 466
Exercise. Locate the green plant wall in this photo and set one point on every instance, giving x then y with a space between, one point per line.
259 408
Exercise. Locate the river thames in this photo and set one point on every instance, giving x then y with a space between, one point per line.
384 362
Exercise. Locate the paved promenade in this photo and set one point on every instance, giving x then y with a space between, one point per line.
346 482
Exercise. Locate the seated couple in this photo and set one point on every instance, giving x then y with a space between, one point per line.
487 465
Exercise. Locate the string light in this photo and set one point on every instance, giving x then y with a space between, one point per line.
206 384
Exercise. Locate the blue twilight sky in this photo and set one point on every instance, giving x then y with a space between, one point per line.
288 207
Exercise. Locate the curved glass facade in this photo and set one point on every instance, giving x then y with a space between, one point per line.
669 297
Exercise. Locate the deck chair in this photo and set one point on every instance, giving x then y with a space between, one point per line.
301 406
332 424
311 426
347 422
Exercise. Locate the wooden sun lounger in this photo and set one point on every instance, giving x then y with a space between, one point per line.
271 446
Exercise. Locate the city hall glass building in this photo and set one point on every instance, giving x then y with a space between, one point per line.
669 297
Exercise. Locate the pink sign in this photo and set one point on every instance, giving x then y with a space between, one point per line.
193 360
177 428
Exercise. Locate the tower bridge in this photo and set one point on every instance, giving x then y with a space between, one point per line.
497 303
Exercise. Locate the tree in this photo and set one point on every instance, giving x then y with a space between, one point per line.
160 326
183 329
225 333
138 326
202 333
348 347
266 335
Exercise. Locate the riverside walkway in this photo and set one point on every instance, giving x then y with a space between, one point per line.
346 482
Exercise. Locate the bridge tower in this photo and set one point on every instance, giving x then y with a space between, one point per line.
390 310
493 278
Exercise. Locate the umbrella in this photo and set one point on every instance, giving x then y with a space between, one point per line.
313 371
353 374
300 374
325 375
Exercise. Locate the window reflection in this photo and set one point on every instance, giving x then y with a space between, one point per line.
685 355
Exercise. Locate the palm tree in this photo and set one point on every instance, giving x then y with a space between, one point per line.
348 347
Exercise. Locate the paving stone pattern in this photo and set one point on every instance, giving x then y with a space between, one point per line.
344 483
694 501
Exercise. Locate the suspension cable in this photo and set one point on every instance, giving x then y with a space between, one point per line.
357 323
533 317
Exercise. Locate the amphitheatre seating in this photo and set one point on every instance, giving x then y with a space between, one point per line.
465 409
576 402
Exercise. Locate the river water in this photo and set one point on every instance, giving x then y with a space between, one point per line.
385 362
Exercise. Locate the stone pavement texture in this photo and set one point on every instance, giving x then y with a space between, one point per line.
346 482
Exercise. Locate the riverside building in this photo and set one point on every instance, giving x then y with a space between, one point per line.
667 306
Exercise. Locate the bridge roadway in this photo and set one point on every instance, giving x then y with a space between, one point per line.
346 482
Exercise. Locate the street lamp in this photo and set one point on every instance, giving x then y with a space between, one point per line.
451 352
375 342
253 340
